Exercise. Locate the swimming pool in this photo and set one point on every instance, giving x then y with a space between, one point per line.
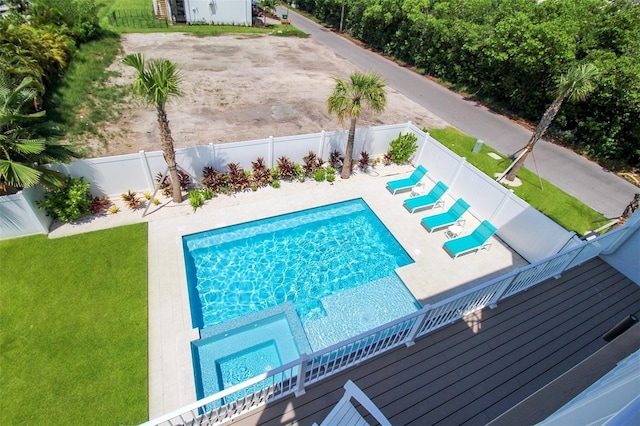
335 264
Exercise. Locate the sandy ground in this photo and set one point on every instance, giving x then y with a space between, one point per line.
242 87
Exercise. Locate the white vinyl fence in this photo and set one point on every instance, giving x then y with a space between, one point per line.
292 378
530 233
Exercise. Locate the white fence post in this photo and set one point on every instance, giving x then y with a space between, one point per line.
411 337
321 147
271 160
461 164
423 145
302 371
493 303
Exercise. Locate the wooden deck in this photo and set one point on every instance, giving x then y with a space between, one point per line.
473 371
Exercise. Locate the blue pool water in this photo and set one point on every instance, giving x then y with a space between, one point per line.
224 357
334 264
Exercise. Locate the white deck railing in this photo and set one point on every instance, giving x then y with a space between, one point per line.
292 378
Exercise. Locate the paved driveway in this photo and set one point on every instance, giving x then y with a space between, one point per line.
602 190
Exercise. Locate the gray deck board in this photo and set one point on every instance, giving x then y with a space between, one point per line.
462 375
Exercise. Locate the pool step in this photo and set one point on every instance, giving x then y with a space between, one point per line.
359 309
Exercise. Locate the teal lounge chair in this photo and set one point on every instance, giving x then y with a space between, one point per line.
407 183
475 241
430 200
448 218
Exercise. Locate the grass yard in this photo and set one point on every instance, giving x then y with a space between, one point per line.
74 329
564 209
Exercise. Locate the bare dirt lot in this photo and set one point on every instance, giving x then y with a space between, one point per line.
242 87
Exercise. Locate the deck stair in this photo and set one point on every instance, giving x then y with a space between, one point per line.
162 13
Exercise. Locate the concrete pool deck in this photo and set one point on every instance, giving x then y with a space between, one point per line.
433 276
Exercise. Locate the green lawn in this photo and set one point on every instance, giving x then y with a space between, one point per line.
73 340
564 209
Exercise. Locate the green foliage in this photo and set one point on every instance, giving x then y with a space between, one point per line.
564 209
319 175
403 147
196 199
207 194
78 18
70 202
87 328
511 53
82 100
24 147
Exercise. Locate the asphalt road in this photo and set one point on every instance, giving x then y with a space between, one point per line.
602 190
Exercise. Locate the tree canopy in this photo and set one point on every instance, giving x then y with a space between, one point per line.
510 53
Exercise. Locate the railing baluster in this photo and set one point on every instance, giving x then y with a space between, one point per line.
322 364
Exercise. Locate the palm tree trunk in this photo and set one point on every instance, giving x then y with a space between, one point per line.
541 129
348 152
169 154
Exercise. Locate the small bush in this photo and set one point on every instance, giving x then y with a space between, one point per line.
387 159
216 181
207 193
319 175
70 202
286 168
262 176
131 198
335 160
311 163
365 161
238 178
114 209
403 147
99 204
331 174
196 199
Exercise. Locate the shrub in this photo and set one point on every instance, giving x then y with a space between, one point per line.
262 176
365 161
286 168
132 200
238 179
216 181
70 202
207 193
403 147
196 199
319 175
387 159
311 163
99 204
331 174
334 159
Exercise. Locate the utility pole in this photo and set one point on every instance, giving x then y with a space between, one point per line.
342 15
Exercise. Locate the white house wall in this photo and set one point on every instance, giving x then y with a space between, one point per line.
231 12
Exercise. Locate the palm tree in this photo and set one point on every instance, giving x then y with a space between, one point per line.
157 81
574 86
348 101
23 149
